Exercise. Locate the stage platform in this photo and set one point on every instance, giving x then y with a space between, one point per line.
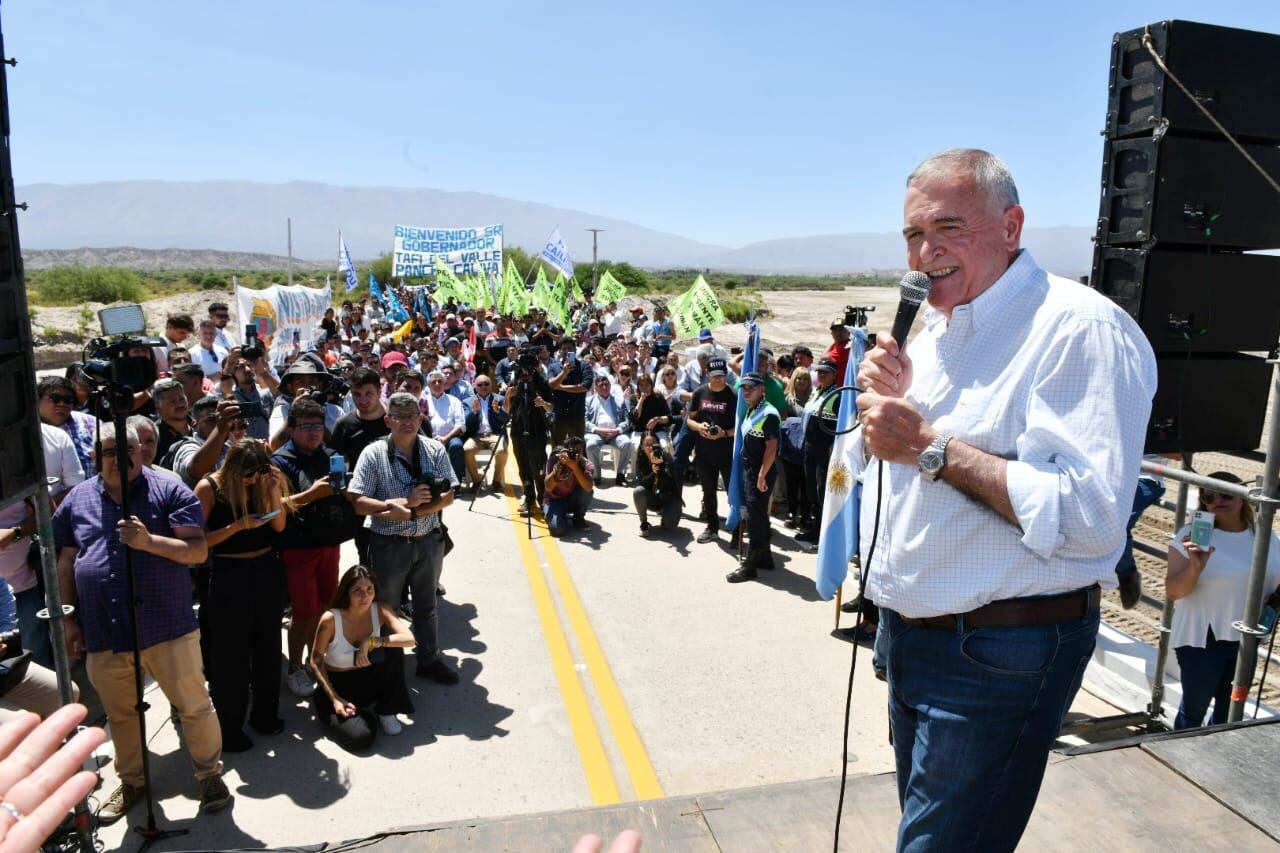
1212 789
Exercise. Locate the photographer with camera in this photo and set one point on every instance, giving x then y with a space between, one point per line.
712 411
403 483
92 536
320 521
569 481
528 402
304 378
216 423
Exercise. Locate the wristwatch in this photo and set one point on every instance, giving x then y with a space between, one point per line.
934 457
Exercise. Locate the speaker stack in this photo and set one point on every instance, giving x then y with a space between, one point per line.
21 448
1181 217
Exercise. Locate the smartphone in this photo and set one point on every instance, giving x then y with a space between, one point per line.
251 410
297 336
1202 528
267 516
250 334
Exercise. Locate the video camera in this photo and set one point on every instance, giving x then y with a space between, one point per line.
856 315
110 366
527 358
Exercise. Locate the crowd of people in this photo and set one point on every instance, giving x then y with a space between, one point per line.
246 473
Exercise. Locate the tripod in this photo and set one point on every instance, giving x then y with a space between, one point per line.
119 399
484 475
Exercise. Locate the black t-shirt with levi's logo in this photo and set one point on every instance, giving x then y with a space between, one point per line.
719 408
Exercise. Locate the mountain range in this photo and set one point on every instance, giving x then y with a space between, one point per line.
226 217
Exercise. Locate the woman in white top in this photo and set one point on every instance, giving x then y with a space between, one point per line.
1209 585
358 658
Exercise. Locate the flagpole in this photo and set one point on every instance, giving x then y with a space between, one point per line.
289 229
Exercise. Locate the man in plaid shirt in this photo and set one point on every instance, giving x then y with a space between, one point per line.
392 484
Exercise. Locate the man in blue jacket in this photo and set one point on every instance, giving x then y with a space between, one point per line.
486 421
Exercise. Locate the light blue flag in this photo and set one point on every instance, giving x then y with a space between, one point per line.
838 541
737 497
557 255
345 267
375 292
394 309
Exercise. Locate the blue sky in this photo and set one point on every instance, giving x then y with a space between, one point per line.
726 122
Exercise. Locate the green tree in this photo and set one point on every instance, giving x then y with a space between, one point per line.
76 285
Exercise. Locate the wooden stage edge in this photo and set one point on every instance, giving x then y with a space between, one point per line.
1212 789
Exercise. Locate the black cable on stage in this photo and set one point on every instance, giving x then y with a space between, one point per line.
863 573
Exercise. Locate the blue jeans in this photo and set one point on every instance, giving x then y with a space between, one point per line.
1149 491
35 631
1206 676
974 712
559 510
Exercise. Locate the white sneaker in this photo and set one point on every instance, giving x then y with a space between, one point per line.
389 724
299 683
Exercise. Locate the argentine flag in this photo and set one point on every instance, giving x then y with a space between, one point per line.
737 497
394 309
375 292
838 541
345 267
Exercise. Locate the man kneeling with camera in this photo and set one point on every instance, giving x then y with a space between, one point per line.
403 482
569 481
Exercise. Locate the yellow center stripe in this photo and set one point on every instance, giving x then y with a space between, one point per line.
634 755
600 779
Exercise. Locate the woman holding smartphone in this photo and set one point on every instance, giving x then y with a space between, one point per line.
244 510
1209 582
358 658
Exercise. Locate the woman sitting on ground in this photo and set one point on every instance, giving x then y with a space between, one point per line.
358 658
657 488
1210 585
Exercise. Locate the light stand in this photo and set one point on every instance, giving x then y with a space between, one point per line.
531 487
119 398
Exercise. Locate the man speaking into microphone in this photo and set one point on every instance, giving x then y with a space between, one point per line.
1009 439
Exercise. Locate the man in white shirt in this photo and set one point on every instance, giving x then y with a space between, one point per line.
1010 432
448 421
209 354
220 314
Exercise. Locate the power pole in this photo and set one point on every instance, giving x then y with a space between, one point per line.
289 227
595 273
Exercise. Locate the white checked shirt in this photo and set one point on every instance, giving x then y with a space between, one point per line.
1052 376
445 413
377 476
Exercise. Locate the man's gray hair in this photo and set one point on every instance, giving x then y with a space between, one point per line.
139 422
402 400
987 171
164 386
435 374
107 432
705 351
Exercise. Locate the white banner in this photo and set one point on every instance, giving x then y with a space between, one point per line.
465 251
280 312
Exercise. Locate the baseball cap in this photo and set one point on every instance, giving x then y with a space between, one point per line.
705 335
825 365
394 358
717 366
453 342
837 322
636 309
751 380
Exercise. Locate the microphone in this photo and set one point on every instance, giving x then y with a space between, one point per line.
912 290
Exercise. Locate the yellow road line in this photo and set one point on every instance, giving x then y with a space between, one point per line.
634 755
595 763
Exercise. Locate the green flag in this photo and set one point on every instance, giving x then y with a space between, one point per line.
578 295
515 297
696 308
447 286
610 289
541 290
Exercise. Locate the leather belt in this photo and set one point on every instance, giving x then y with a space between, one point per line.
1019 612
400 537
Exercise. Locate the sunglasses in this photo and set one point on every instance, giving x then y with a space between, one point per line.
1210 496
60 399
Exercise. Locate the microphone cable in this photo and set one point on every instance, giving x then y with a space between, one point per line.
863 573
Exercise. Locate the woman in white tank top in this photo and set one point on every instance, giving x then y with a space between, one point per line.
358 657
